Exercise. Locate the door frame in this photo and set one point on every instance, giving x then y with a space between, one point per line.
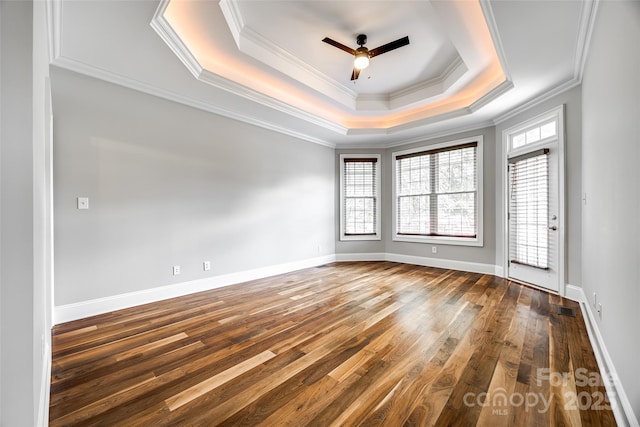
559 114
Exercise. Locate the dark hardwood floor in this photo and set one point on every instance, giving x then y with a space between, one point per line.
375 343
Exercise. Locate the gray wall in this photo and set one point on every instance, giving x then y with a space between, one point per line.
25 298
611 181
572 100
172 185
482 255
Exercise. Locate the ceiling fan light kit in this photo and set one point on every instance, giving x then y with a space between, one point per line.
361 60
362 54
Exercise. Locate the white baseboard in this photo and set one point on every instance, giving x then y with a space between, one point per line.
80 310
574 293
472 267
45 388
69 312
620 403
368 256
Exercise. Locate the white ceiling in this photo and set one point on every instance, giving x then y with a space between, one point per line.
469 63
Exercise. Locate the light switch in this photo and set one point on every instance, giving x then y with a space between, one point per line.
83 203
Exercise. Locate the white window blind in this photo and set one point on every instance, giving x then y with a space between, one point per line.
529 209
437 192
360 196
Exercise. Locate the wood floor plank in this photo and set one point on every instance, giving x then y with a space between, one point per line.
505 375
429 406
186 396
288 390
354 343
99 384
397 409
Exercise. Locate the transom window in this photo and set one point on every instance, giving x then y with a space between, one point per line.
360 187
536 133
437 193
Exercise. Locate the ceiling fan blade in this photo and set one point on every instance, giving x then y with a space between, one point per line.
389 46
339 45
355 74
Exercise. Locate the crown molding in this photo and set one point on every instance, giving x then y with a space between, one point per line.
587 23
101 74
267 52
232 15
267 101
89 70
492 95
485 99
441 134
54 27
419 139
98 73
177 46
430 89
490 19
255 45
171 39
448 76
557 90
264 50
252 41
164 30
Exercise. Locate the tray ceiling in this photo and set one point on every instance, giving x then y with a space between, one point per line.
469 64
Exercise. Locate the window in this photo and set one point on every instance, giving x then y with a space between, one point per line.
359 197
529 208
534 134
438 193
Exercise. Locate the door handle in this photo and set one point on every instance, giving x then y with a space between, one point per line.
553 227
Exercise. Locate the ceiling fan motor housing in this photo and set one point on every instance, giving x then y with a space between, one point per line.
362 50
361 39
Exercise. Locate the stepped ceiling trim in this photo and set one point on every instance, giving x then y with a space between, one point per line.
571 26
473 77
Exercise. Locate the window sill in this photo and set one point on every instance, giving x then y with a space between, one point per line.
456 241
344 238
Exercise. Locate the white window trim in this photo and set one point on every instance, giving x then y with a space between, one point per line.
559 114
443 240
378 234
530 126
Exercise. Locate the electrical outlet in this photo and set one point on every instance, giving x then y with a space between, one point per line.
206 266
434 249
83 203
176 270
600 311
595 299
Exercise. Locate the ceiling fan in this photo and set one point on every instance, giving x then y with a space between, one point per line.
362 54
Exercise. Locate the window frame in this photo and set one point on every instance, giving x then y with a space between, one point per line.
478 241
377 235
557 113
525 129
